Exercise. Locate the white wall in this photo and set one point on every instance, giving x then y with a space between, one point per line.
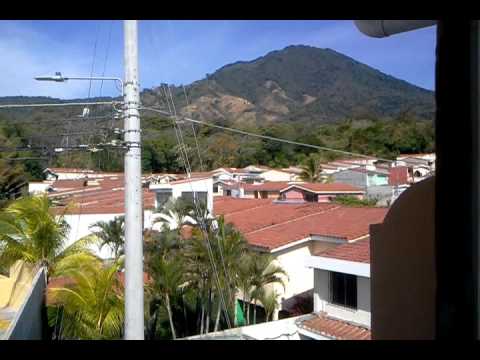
300 280
321 297
275 175
38 187
80 223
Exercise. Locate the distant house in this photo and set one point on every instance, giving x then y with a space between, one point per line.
84 202
189 189
318 192
362 177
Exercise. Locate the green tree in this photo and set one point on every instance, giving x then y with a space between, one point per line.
31 232
13 182
264 272
92 306
311 170
269 300
111 233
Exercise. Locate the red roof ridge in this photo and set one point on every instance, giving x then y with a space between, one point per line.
293 220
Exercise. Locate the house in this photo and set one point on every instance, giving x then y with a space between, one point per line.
188 189
362 177
341 294
293 231
318 192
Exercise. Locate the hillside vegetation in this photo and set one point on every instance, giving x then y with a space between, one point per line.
311 95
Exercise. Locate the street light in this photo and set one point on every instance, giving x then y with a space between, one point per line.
58 77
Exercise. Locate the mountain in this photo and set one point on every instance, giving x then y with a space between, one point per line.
298 83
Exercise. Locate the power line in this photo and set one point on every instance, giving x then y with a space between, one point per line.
266 137
204 232
12 106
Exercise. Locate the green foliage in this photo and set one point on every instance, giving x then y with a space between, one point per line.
92 306
13 182
349 200
111 234
30 232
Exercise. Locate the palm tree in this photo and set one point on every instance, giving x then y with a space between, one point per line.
167 270
229 246
93 305
12 182
269 300
311 169
111 233
30 232
174 214
263 272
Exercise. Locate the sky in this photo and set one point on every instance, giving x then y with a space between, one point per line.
180 52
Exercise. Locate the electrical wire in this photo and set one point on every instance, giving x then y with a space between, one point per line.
202 226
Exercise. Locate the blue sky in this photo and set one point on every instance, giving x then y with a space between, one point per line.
181 52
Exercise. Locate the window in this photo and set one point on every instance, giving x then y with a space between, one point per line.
264 194
162 197
215 188
343 289
200 196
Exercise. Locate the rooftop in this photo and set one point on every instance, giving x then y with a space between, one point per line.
336 329
357 251
270 225
325 188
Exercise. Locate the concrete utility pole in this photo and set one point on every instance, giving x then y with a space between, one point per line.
134 316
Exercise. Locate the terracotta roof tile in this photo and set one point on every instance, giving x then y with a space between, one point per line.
334 328
270 225
357 251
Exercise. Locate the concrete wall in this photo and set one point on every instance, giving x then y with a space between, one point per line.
284 329
321 299
37 187
403 267
300 279
353 178
275 175
28 323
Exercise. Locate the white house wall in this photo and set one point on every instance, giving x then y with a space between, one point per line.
80 223
300 277
321 299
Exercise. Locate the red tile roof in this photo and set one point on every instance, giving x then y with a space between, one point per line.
223 205
266 186
334 328
357 251
270 225
105 198
326 188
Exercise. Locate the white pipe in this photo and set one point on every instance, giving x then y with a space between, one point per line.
134 316
383 28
